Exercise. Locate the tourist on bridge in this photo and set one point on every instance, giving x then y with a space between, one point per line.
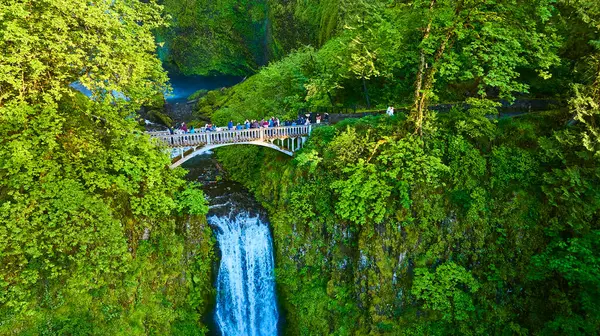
192 130
276 122
247 124
239 127
184 127
230 125
271 123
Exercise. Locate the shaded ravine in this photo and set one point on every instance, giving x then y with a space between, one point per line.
246 302
177 105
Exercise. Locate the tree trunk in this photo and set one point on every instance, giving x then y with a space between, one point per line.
426 75
330 99
428 83
417 106
366 92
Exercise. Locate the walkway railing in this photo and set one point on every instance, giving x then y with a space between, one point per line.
233 136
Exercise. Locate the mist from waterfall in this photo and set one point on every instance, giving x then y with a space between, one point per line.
246 303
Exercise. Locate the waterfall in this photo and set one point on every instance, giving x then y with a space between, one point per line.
246 303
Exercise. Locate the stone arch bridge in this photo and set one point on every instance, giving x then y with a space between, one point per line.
287 140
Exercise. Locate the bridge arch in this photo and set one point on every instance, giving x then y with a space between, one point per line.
204 149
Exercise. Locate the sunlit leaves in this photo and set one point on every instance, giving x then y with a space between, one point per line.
107 47
191 200
448 291
364 195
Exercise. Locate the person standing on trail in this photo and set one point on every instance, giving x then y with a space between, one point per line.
390 111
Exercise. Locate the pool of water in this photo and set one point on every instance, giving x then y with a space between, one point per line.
183 86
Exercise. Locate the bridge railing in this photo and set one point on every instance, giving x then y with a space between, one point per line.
233 136
158 133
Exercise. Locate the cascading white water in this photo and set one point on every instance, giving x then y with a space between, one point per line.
246 302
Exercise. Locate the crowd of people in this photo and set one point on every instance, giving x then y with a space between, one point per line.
248 124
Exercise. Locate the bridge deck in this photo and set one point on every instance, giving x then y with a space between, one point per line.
231 137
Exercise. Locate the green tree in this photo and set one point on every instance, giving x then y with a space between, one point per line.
87 202
481 41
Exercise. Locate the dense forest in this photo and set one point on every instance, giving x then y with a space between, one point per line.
461 222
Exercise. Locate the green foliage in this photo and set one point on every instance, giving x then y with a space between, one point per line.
207 38
449 292
470 225
476 224
475 51
88 241
44 50
197 95
159 117
479 229
237 37
363 196
191 200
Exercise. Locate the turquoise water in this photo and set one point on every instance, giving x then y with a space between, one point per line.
183 86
